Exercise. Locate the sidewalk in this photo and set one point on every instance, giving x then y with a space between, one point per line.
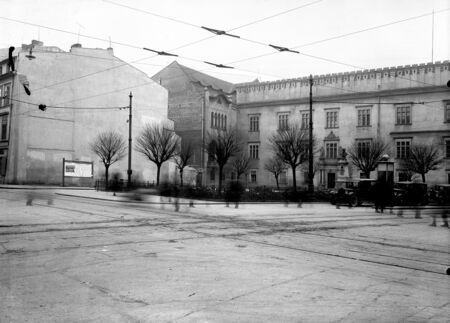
42 187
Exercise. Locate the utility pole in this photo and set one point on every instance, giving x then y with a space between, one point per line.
129 171
310 155
432 37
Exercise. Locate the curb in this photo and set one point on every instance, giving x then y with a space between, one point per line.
26 187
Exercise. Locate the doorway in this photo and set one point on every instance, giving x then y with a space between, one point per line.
331 180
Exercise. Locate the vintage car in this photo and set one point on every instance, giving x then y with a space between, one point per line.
354 192
440 194
410 193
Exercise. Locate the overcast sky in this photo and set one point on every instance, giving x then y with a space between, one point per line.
408 42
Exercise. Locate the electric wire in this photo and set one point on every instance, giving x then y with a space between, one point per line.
197 60
68 108
281 49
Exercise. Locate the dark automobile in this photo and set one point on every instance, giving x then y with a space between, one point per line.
440 194
410 193
354 192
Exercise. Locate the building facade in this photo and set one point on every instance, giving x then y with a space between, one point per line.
85 91
198 104
400 105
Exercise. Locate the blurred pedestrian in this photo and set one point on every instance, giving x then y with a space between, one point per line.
340 197
233 193
444 216
176 193
382 195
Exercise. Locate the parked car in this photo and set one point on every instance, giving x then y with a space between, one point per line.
355 192
410 193
440 194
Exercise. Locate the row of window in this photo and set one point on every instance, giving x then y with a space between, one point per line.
402 117
218 120
402 148
5 90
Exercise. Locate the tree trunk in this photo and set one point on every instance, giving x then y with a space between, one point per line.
423 177
106 177
276 179
220 179
294 178
181 177
158 166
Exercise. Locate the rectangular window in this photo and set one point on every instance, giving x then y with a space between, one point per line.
283 121
332 119
212 174
254 123
254 151
402 147
6 94
363 147
253 176
447 112
403 115
305 120
4 127
364 117
331 149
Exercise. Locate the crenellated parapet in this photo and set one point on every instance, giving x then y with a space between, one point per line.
416 75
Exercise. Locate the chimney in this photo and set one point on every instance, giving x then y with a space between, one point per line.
37 43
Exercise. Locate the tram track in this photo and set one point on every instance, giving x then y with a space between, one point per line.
239 223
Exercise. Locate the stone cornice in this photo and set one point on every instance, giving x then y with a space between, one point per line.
411 132
346 97
346 76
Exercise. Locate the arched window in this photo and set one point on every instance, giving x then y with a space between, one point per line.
212 119
221 121
215 120
225 123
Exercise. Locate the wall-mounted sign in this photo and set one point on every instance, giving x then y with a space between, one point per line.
78 168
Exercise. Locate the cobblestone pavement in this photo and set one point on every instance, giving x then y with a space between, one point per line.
86 256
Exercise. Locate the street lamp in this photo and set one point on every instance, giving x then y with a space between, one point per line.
387 167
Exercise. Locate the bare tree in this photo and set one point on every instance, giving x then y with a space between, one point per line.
221 145
241 164
276 166
158 143
421 159
183 156
366 155
110 147
291 146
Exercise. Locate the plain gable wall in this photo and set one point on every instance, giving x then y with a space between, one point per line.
87 78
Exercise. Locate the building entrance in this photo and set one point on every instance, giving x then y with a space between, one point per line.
331 180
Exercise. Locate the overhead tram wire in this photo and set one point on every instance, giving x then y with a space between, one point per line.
217 65
285 49
70 108
344 35
134 46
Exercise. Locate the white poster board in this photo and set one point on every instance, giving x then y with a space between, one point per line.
74 168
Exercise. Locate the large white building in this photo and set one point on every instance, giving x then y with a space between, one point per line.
401 105
83 89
